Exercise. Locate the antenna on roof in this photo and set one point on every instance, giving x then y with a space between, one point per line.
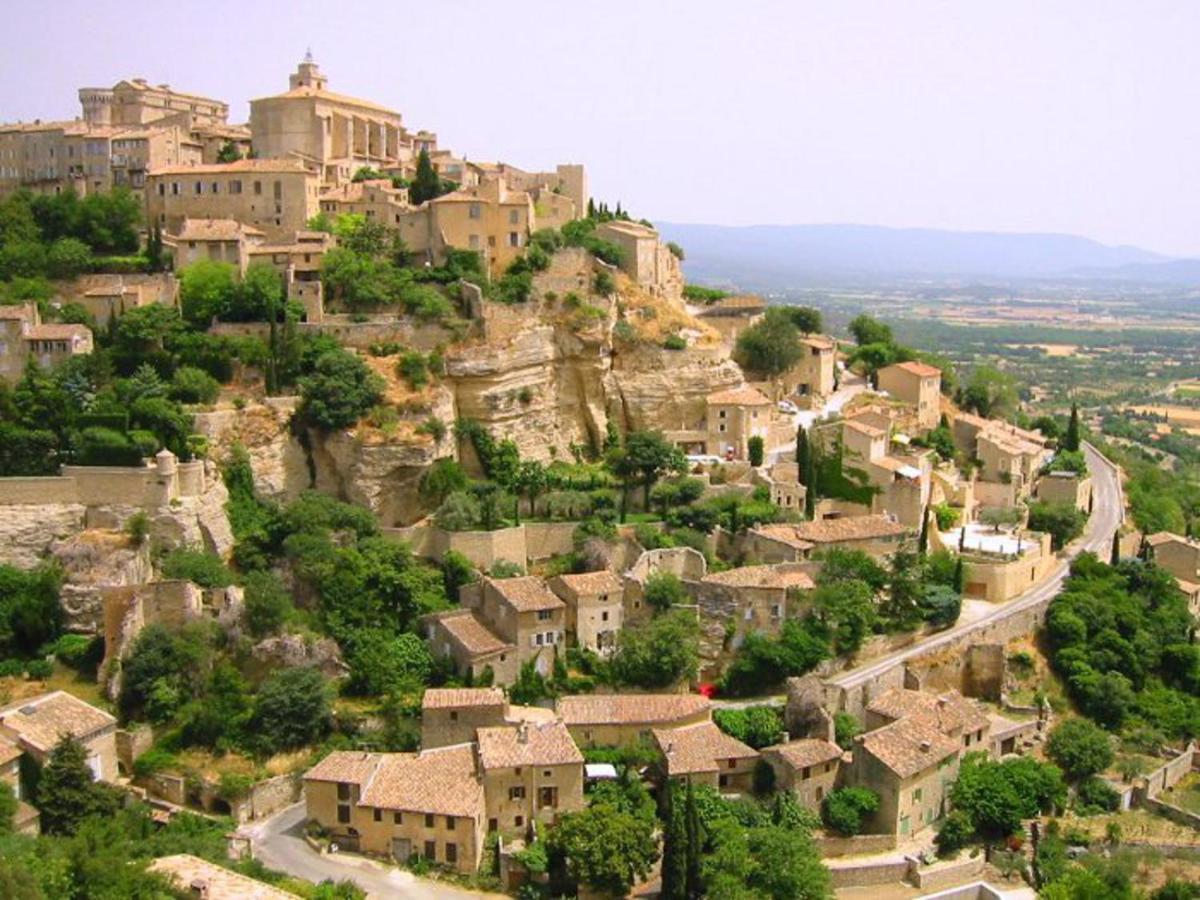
308 55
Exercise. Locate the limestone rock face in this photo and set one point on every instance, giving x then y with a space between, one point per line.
290 650
666 389
27 532
276 457
93 561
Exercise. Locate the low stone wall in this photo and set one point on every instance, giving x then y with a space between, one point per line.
268 797
520 544
546 539
1172 813
359 335
944 875
132 743
833 845
1170 773
868 873
31 491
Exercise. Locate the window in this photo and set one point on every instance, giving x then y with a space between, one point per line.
723 781
548 796
473 211
199 187
516 793
454 715
604 616
452 853
917 796
493 824
235 186
378 814
721 414
397 818
258 187
518 821
343 813
537 639
544 614
450 823
215 188
514 239
806 773
428 820
278 190
732 763
491 240
473 242
162 189
514 216
174 188
343 791
430 850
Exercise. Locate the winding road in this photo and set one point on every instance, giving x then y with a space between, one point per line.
1108 510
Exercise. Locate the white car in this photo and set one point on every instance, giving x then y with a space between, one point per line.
788 406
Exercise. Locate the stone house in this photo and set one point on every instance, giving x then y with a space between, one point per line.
523 612
277 196
35 726
530 772
911 765
1181 557
703 753
876 535
429 804
644 257
808 767
23 337
733 417
452 715
217 240
811 380
685 563
730 316
463 636
113 297
488 218
950 712
595 608
783 480
1066 487
376 200
752 598
616 720
196 877
918 384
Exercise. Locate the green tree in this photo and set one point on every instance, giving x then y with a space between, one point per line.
990 393
67 258
845 809
292 710
674 844
1062 521
8 809
426 184
445 477
659 653
664 590
1072 439
650 455
459 512
267 603
66 793
206 291
340 391
228 153
30 612
754 449
605 848
847 611
771 346
1080 748
867 330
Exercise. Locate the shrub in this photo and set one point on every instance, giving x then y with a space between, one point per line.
137 527
199 566
39 669
664 590
267 603
1080 748
156 759
955 831
413 368
192 385
675 342
845 729
845 809
1096 795
603 284
754 449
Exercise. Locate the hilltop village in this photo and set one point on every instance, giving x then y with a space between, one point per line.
417 506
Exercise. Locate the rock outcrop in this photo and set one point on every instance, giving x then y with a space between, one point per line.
94 561
28 532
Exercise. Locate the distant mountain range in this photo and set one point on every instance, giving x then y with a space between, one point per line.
763 257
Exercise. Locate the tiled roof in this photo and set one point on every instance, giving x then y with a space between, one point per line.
441 781
307 91
951 711
920 369
526 593
745 304
630 709
55 332
864 428
699 748
346 766
739 396
457 698
909 746
475 637
11 312
820 343
1166 537
784 534
8 752
189 873
42 721
603 582
848 528
547 744
806 752
777 576
232 168
215 230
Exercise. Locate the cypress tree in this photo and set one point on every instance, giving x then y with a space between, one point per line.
802 451
810 482
675 846
1072 439
426 184
591 212
693 888
923 540
1115 556
958 575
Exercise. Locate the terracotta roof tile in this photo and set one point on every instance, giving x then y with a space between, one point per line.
806 752
346 766
232 168
951 712
56 332
42 721
920 369
630 709
739 396
864 428
604 582
785 575
526 593
699 748
474 637
784 534
457 698
848 528
909 746
190 872
441 781
546 744
215 230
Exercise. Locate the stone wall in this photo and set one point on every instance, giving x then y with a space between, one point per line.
18 491
132 743
268 797
947 874
129 609
520 544
1171 772
834 845
358 335
546 539
868 873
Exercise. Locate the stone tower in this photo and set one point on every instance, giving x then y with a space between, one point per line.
308 75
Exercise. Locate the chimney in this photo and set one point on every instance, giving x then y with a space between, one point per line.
926 746
523 733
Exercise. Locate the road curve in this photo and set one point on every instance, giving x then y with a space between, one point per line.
1108 510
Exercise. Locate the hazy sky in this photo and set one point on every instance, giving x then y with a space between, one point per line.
1012 115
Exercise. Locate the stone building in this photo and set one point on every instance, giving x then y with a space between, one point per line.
950 712
334 134
1181 557
918 384
808 767
1066 487
531 772
452 715
524 612
34 727
876 535
23 337
703 753
616 720
277 196
595 608
644 257
474 648
733 417
810 381
196 877
730 316
752 599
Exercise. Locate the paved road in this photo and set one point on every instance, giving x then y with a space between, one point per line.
850 386
1107 513
279 844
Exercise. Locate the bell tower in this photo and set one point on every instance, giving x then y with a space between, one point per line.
308 74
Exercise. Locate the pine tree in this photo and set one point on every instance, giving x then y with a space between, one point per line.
675 846
426 185
1115 556
923 540
958 575
66 793
693 887
1072 438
